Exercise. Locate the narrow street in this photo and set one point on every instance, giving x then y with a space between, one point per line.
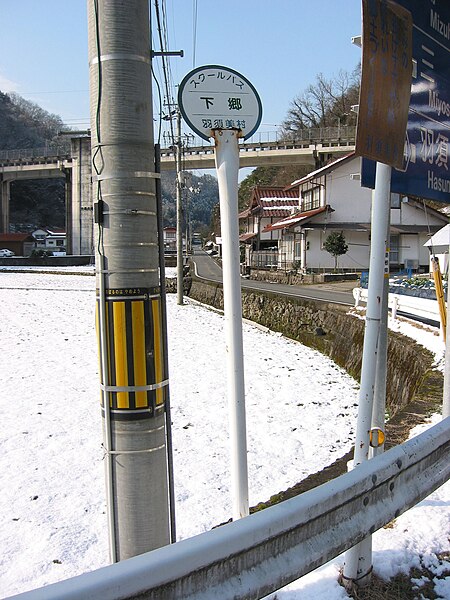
205 267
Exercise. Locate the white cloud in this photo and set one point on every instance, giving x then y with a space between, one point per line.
6 85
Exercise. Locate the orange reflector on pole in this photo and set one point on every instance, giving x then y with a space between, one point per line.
377 437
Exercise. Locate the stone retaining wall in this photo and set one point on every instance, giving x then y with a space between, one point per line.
329 329
293 278
47 261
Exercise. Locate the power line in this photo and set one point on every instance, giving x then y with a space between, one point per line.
163 62
51 92
194 32
166 37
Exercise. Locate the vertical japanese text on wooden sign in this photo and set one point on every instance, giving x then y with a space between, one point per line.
385 83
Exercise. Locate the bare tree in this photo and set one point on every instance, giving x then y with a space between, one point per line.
46 125
326 103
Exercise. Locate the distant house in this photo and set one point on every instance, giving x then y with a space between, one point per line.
21 244
332 199
50 239
39 237
213 247
267 206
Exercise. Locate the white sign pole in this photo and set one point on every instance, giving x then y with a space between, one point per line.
358 560
227 165
219 102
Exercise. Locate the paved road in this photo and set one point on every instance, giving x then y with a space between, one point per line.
338 293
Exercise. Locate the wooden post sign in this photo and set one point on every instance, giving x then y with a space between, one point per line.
385 82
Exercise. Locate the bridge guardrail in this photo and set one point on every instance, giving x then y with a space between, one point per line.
257 555
344 133
273 140
50 151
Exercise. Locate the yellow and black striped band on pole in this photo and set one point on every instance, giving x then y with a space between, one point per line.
136 382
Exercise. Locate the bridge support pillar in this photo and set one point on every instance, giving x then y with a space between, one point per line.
5 197
68 203
80 206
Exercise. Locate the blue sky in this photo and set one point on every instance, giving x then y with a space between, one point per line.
279 46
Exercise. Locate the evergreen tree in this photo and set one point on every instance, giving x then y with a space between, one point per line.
336 245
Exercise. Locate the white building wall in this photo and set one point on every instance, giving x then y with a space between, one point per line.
424 252
409 248
411 214
412 247
357 256
350 201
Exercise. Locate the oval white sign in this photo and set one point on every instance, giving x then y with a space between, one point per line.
214 97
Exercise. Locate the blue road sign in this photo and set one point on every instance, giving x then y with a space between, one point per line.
426 171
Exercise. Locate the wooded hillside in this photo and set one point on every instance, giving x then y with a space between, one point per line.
39 202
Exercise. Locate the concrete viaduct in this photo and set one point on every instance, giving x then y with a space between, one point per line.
72 161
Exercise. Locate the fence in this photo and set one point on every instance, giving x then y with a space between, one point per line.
423 308
261 259
257 555
47 151
270 259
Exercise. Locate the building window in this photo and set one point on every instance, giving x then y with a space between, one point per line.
395 200
311 199
394 244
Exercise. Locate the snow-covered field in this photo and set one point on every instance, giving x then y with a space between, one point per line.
301 414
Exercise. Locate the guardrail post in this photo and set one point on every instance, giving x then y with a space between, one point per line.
394 308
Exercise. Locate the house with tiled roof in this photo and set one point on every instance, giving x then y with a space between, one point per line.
268 204
52 239
21 244
332 199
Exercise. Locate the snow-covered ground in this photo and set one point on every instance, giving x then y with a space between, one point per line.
301 414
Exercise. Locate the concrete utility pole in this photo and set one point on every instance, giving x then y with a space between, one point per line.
133 381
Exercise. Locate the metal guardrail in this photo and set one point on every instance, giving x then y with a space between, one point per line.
257 555
424 308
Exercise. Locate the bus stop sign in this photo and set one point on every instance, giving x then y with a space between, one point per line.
214 97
